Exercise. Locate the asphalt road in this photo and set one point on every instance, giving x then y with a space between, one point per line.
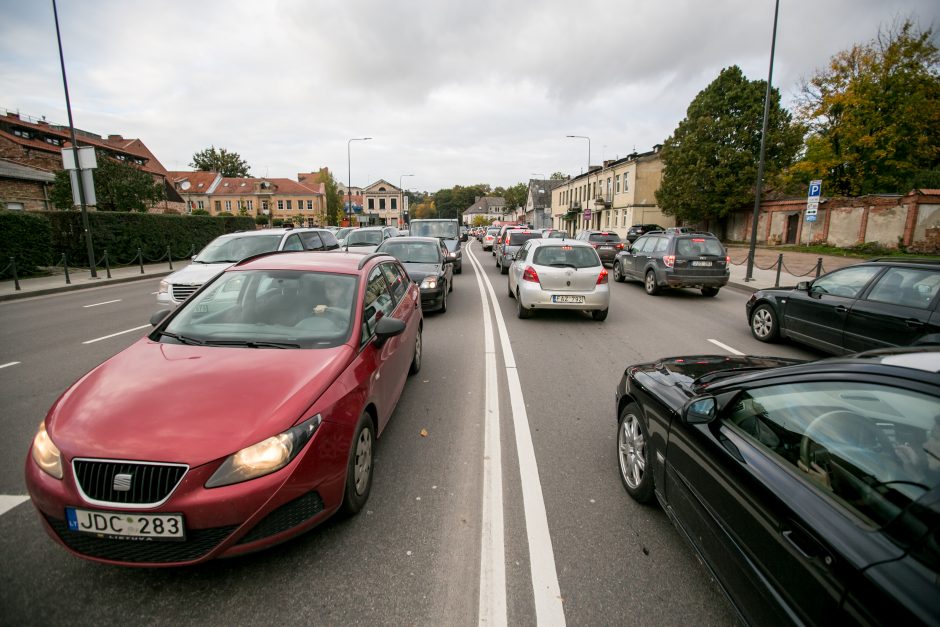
571 546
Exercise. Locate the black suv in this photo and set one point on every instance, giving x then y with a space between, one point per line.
637 230
606 243
670 259
877 304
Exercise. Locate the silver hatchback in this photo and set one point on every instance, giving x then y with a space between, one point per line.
559 274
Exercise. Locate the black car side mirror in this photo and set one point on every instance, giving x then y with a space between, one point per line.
388 327
700 410
158 316
803 286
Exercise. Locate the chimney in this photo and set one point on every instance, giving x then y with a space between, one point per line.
115 138
657 147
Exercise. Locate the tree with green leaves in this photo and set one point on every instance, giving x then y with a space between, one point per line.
229 164
874 117
710 161
516 196
118 187
558 176
335 209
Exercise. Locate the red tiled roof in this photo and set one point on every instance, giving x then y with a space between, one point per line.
235 187
199 180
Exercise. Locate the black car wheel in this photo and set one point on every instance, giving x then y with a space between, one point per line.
764 325
458 269
503 268
359 469
710 291
650 283
443 307
521 310
618 272
599 314
416 360
633 454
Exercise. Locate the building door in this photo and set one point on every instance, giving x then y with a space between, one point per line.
793 223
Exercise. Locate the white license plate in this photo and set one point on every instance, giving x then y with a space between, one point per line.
702 263
607 247
567 299
126 524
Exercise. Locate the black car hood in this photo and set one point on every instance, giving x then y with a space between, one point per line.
676 379
417 271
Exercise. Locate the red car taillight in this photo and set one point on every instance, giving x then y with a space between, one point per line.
602 277
530 275
728 259
620 246
669 260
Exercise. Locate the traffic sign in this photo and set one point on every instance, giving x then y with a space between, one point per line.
815 189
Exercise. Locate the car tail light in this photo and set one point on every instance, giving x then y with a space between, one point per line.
602 277
669 260
530 275
728 259
620 246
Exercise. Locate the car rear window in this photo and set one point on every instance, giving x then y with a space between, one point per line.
604 237
691 246
561 256
518 238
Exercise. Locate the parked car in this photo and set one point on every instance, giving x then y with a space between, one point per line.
366 239
606 243
808 490
257 418
428 264
559 274
446 230
880 303
671 259
226 250
635 231
489 237
513 239
342 233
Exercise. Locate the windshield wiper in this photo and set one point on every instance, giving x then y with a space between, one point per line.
728 372
252 343
182 339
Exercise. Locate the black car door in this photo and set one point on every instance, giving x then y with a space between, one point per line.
896 311
784 493
817 316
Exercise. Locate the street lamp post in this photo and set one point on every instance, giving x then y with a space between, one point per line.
588 163
401 197
349 176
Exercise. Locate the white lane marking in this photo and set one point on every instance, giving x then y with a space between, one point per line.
107 302
98 339
548 606
726 347
9 501
152 293
12 363
492 607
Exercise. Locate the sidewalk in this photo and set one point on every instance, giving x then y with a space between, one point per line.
797 267
80 278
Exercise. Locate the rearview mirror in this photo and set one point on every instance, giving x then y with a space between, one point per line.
700 410
158 316
803 286
388 327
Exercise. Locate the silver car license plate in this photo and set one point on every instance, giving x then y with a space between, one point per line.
702 263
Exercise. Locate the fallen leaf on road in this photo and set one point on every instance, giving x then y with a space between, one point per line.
424 433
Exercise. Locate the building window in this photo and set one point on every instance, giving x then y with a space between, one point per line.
218 205
251 205
381 204
371 204
200 204
21 133
228 205
309 205
264 206
618 183
54 141
394 204
288 205
625 179
280 205
609 182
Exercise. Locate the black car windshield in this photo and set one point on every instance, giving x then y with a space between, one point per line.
444 228
234 248
413 252
267 309
364 238
518 238
691 246
604 237
566 256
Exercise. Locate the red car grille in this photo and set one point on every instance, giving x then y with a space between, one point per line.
150 484
285 517
198 542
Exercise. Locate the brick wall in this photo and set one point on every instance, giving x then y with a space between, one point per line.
29 156
28 193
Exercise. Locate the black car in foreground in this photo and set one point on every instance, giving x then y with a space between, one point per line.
876 304
428 264
811 491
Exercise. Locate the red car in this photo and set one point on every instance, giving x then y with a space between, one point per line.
247 416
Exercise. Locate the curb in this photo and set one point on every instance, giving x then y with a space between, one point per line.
27 293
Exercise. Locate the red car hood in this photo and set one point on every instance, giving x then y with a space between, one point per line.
189 404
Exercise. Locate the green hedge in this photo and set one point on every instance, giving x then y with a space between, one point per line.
121 234
26 237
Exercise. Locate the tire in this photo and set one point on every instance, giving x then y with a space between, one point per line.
459 269
522 311
443 307
359 468
599 314
509 289
650 283
764 324
415 366
503 269
710 291
633 454
618 272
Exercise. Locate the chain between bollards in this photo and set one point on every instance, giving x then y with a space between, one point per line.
818 267
140 258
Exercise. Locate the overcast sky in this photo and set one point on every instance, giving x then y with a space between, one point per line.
454 92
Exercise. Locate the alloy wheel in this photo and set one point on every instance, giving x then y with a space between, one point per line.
363 466
632 451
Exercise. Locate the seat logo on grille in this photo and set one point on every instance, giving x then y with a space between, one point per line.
122 482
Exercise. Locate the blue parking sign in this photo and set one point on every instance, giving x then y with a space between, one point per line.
815 189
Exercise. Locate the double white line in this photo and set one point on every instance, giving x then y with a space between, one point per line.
547 594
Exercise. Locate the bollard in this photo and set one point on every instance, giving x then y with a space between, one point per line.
65 264
140 258
818 267
107 264
169 255
16 279
779 268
